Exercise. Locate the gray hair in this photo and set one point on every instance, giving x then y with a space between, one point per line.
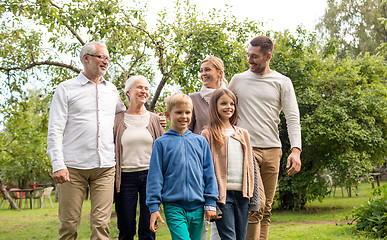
89 48
131 81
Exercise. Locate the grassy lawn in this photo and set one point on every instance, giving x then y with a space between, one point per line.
321 220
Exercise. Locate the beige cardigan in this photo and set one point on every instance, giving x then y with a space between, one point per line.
250 187
154 128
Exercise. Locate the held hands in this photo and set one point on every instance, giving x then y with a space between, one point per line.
61 176
154 217
211 215
294 160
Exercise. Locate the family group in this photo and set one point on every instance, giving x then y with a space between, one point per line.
216 168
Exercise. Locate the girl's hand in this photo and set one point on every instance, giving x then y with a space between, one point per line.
154 217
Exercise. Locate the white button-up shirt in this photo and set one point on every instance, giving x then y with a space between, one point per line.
80 126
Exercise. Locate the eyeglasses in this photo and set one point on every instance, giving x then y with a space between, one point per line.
100 57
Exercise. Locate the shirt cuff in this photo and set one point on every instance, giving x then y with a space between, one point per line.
153 208
211 208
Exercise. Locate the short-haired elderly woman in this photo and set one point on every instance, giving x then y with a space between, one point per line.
135 130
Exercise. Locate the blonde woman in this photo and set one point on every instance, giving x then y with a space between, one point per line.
212 75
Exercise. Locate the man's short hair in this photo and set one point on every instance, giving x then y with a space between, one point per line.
89 48
177 99
264 42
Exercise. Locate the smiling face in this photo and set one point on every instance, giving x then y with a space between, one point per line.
94 66
259 62
180 117
210 75
226 107
139 92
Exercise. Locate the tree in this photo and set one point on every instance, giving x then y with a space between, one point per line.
178 47
342 102
354 25
343 111
23 141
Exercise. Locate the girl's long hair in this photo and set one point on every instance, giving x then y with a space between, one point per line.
216 126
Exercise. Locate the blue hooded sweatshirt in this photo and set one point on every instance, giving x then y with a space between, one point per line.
181 172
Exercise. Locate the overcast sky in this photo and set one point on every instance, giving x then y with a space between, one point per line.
276 14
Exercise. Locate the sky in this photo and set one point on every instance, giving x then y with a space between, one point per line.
277 15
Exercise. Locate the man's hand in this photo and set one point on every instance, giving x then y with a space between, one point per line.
154 217
252 213
294 160
61 176
211 215
163 121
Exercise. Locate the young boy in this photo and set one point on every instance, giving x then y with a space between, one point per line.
181 175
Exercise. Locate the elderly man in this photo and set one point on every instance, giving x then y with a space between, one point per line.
80 143
262 94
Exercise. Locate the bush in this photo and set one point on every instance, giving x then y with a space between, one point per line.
371 217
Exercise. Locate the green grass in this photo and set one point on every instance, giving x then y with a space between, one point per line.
320 220
43 224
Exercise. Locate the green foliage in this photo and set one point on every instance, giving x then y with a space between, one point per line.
354 25
40 42
343 112
371 217
168 55
23 141
342 100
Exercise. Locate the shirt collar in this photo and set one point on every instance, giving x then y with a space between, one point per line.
83 80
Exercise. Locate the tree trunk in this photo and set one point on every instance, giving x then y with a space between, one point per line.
10 200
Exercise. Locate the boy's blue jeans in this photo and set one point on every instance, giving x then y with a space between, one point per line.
184 224
233 224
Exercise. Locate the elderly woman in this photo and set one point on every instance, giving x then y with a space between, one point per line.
135 130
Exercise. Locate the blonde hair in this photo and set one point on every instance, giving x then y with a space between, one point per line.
130 82
218 64
177 99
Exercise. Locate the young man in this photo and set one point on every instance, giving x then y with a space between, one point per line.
181 175
262 93
80 143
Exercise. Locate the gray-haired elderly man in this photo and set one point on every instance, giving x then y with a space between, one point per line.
80 143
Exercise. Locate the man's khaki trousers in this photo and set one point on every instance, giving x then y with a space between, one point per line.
71 196
268 160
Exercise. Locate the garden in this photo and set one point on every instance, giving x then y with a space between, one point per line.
339 75
329 219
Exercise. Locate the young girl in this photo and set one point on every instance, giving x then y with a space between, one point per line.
234 166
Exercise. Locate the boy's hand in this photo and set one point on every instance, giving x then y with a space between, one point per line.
210 215
154 217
